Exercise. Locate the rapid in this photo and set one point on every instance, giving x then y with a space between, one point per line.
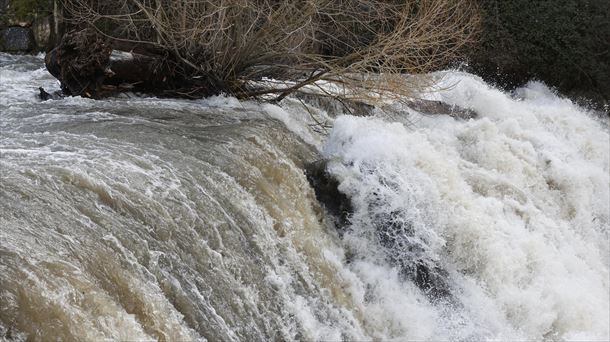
138 218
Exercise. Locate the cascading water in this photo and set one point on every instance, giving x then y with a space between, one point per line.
139 218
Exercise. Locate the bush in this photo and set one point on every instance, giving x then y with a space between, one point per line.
361 45
29 9
565 43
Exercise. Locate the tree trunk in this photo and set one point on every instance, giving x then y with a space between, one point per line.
86 66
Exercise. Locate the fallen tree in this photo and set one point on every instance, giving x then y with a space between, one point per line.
85 65
198 48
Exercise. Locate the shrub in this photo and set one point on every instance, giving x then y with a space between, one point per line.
361 45
565 43
28 9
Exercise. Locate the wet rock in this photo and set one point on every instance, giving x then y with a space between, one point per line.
394 235
327 193
428 107
335 107
17 39
44 96
410 257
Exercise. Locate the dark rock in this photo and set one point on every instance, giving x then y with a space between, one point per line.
394 235
17 39
432 281
44 96
334 106
428 107
326 189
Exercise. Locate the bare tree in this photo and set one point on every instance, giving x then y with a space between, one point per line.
364 47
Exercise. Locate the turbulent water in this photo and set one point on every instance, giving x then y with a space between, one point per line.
138 218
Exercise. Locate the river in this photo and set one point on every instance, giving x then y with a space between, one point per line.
136 218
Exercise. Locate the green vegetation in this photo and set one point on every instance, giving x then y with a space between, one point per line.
29 9
565 43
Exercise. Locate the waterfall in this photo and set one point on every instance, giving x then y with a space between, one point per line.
138 218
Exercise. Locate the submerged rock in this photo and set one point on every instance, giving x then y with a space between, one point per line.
44 96
394 235
410 257
428 107
334 107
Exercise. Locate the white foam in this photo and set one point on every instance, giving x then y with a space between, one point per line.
513 205
516 202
